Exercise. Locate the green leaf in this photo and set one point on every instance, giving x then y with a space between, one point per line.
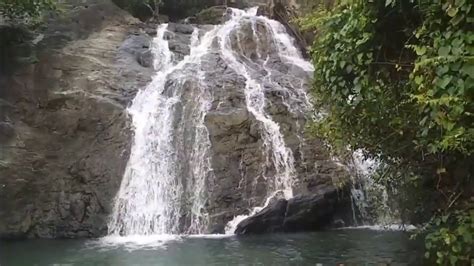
468 69
443 82
444 51
452 11
453 259
469 83
441 70
467 236
450 125
348 69
457 19
423 121
457 51
455 66
456 42
447 34
420 50
424 133
342 64
419 80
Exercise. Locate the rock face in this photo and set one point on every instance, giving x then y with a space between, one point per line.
65 134
326 208
64 131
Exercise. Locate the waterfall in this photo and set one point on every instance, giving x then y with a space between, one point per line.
164 188
274 144
150 199
281 157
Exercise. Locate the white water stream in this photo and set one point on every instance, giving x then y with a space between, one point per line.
150 198
276 150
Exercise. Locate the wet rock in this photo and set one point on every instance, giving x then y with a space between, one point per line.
181 28
318 211
139 47
151 30
268 220
145 58
338 223
218 229
213 15
179 42
311 212
180 48
7 131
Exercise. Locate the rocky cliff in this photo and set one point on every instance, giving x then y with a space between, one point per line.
65 133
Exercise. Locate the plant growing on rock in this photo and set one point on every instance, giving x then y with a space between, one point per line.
143 9
153 5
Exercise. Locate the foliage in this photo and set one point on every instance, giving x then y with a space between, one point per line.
395 79
143 9
451 238
25 10
387 73
443 78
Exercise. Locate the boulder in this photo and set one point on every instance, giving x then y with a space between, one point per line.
317 211
270 219
327 208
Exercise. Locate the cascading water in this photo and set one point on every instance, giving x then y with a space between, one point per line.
150 199
281 156
275 148
164 189
371 199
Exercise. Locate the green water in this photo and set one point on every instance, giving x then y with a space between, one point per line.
350 247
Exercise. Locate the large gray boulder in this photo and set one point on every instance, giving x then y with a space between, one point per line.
324 209
269 220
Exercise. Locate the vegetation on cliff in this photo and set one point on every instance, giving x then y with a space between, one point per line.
24 10
396 79
142 9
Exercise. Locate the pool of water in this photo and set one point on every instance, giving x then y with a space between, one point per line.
348 247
